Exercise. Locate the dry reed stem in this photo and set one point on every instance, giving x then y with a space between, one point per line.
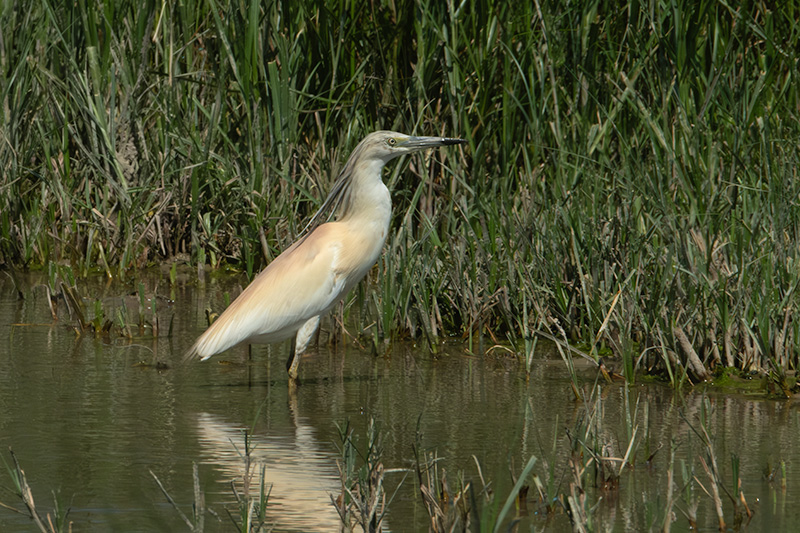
693 361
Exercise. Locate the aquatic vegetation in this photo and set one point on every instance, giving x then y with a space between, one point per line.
586 471
467 508
252 503
448 510
615 456
630 172
250 515
716 486
197 523
54 522
362 501
148 321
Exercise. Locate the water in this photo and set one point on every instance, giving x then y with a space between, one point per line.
89 419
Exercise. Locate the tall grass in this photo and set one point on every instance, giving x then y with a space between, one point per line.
631 172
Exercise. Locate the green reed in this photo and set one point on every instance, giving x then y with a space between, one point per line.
644 152
362 501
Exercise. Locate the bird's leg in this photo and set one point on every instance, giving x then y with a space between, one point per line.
249 366
291 365
300 344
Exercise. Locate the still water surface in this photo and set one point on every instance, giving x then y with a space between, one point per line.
89 422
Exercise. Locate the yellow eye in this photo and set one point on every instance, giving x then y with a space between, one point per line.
392 141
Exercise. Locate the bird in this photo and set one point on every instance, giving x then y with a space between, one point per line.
311 276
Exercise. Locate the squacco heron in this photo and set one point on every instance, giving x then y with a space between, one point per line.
311 276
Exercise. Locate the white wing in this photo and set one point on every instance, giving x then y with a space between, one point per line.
299 284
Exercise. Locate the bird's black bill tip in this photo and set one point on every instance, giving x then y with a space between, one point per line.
421 143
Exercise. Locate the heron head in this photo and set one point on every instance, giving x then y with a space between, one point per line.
387 145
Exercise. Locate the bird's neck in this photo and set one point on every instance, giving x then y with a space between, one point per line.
369 199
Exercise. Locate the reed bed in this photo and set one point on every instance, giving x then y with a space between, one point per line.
630 178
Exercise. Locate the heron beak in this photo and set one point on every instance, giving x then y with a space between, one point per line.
420 143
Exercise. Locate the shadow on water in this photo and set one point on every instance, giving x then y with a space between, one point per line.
89 416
